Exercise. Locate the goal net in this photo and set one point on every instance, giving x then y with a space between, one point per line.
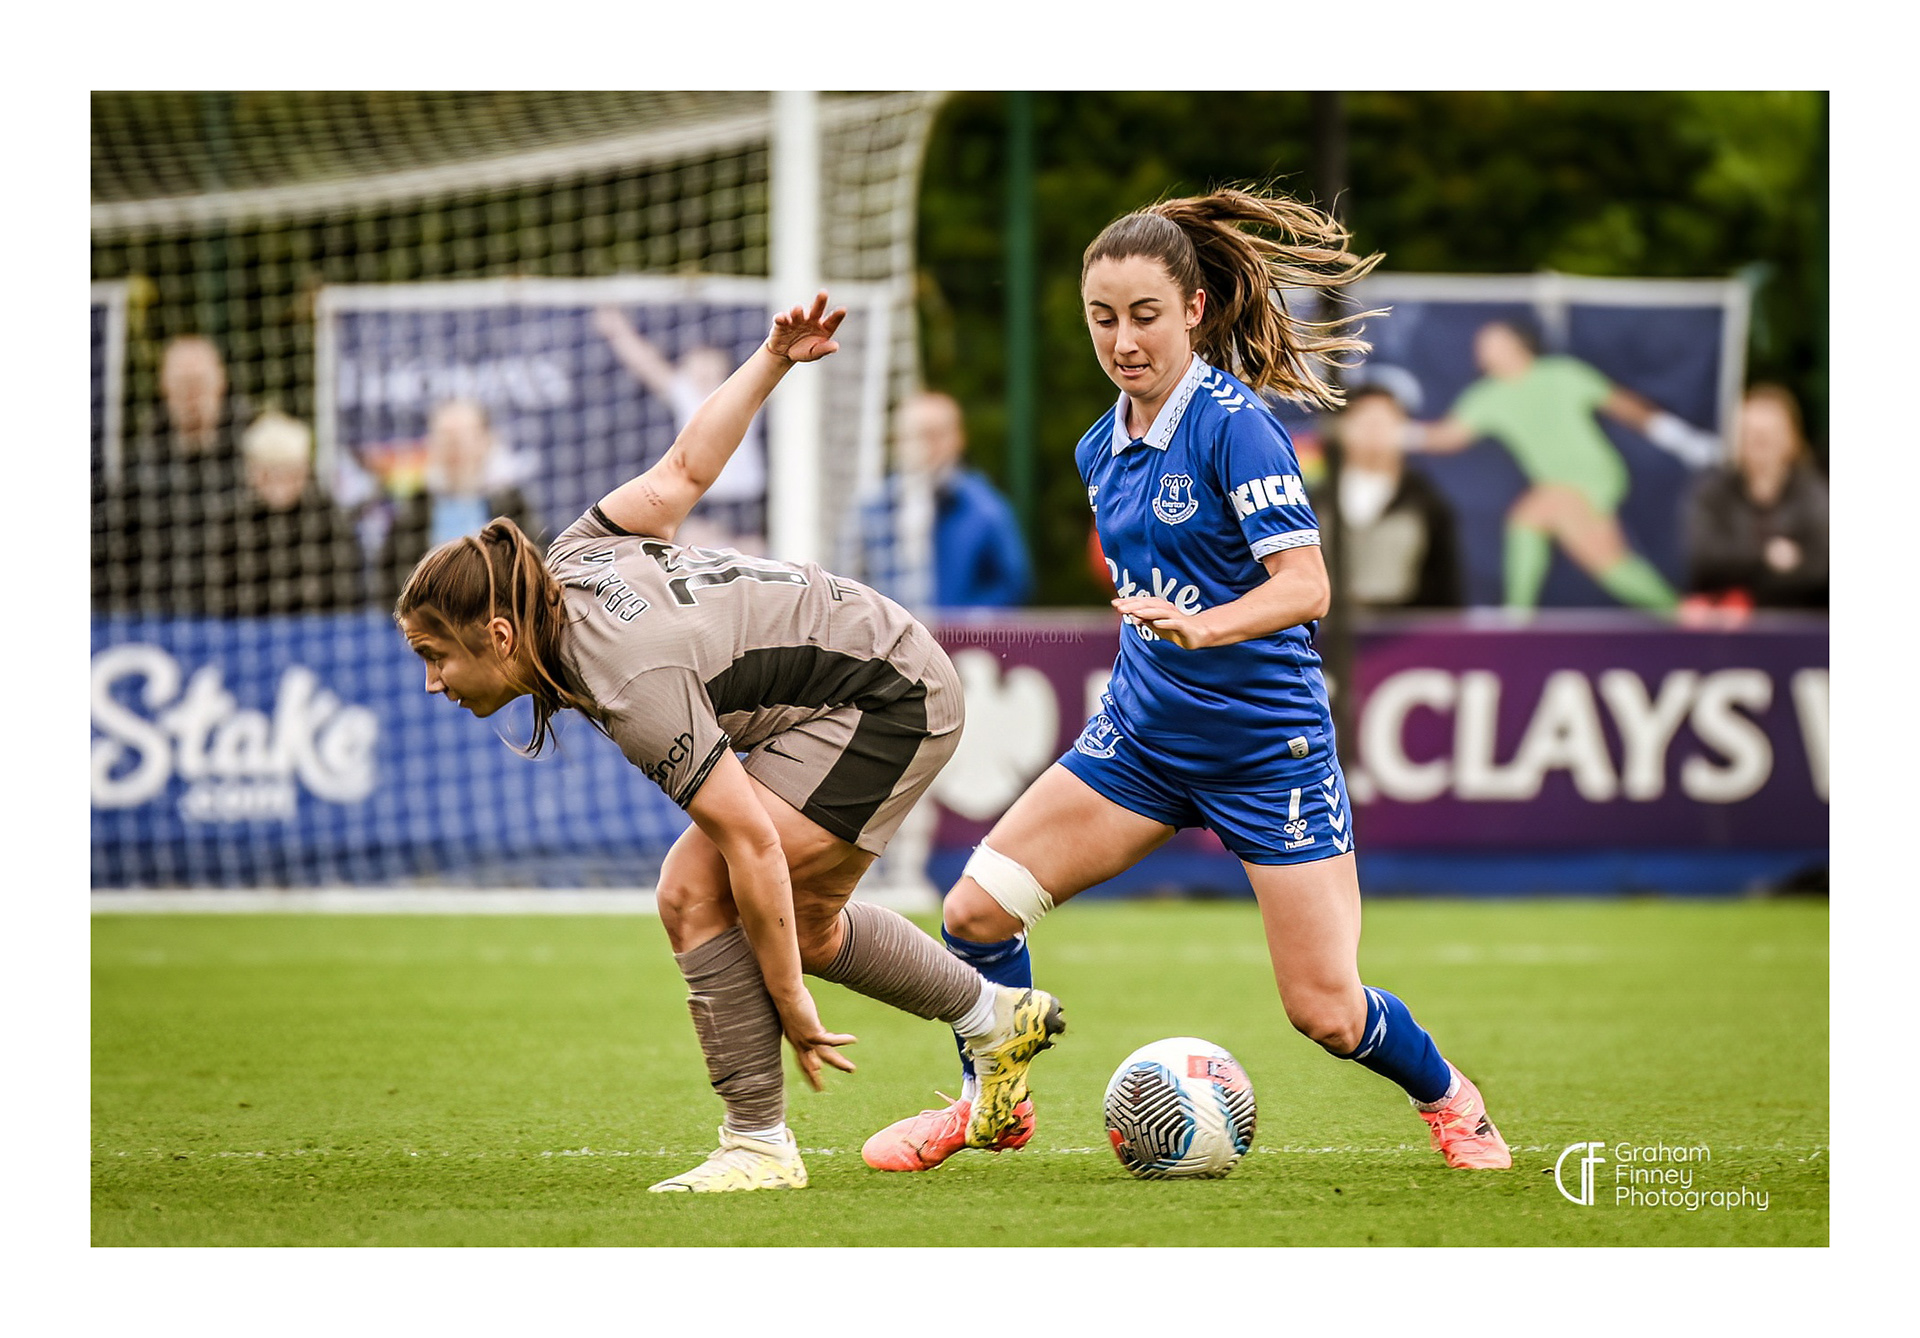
331 330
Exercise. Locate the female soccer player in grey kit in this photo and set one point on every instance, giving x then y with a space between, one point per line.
1216 714
844 706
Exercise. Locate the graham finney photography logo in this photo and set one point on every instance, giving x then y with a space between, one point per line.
1649 1175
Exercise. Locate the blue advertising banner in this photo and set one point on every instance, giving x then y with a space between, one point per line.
305 751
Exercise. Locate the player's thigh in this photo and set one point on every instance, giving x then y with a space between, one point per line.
1554 507
811 849
1592 538
695 895
1586 529
1535 508
1311 914
817 903
696 889
822 868
1069 836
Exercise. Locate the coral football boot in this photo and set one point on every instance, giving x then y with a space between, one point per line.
921 1142
1462 1133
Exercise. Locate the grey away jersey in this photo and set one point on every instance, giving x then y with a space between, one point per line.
696 651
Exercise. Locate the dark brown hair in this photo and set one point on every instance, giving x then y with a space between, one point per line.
1221 243
462 585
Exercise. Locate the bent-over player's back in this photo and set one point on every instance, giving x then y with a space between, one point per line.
693 649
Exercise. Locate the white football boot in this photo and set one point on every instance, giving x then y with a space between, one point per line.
742 1163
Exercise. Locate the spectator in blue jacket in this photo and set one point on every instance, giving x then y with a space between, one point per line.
978 558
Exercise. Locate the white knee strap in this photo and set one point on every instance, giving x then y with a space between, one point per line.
1008 882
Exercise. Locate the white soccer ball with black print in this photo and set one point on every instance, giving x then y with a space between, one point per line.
1180 1109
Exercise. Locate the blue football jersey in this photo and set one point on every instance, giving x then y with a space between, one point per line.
1186 513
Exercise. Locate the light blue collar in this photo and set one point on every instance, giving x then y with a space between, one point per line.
1170 413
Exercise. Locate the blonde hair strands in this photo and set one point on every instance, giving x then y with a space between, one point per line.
1244 248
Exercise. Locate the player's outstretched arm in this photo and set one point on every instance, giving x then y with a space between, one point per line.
1669 432
655 503
1296 591
635 352
726 808
1445 437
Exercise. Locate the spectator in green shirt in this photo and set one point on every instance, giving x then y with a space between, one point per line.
1541 408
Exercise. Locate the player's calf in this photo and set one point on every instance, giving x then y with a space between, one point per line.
1331 1019
738 1028
1393 1045
885 956
1396 1047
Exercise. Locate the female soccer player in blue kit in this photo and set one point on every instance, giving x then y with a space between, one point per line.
1216 714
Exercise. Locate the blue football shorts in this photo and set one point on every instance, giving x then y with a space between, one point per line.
1295 817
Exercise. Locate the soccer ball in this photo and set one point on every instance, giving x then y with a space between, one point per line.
1180 1109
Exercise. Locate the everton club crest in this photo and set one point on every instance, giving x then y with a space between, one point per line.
1175 501
1101 737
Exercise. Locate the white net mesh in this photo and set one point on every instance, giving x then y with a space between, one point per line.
333 329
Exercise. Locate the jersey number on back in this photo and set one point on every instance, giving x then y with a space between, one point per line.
691 569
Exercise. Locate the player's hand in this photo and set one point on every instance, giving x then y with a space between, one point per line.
803 335
611 323
811 1041
1184 630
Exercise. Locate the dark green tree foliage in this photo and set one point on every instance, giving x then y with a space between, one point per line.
1648 184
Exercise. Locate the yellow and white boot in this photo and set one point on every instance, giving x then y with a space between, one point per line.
742 1163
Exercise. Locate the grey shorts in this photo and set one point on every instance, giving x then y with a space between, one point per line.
857 773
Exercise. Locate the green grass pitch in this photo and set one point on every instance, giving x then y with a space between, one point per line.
441 1080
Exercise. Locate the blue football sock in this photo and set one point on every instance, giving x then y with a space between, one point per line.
1395 1046
1004 963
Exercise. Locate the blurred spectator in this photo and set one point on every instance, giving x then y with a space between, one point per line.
1541 408
291 550
159 524
462 491
1759 526
733 512
978 558
1398 540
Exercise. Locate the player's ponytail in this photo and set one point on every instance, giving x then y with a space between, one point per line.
462 585
1244 249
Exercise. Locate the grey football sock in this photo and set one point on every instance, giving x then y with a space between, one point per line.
884 956
738 1027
